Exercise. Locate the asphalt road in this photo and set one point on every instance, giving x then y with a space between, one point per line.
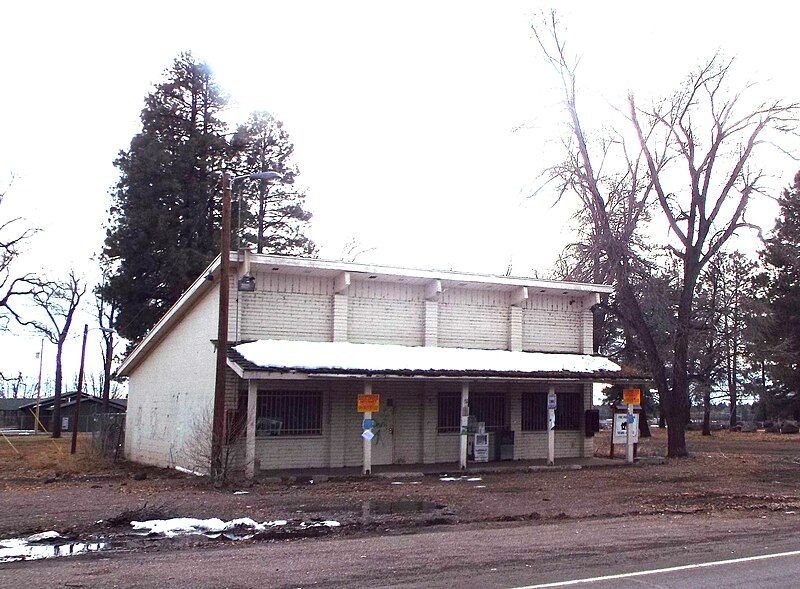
506 556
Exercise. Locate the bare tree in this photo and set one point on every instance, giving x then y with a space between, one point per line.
13 288
106 317
685 159
58 301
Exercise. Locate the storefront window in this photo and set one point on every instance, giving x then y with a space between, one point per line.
289 413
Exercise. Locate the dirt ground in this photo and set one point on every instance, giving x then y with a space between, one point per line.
739 473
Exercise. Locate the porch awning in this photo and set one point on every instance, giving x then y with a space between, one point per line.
340 358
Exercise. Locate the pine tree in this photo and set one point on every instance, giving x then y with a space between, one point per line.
781 321
164 221
273 217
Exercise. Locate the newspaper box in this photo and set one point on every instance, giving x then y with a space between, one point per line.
480 447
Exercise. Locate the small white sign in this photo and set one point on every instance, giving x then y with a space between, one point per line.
551 419
621 428
65 423
368 435
552 399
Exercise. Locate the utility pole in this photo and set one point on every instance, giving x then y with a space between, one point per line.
38 389
77 416
222 331
108 337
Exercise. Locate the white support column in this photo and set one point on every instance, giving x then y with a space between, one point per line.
515 329
250 443
551 431
629 436
462 448
367 443
431 327
340 317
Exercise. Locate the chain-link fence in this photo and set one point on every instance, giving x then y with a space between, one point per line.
108 434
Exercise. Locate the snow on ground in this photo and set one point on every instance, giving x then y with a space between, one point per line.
448 479
189 525
299 355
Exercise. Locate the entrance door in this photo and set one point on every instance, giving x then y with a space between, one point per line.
383 428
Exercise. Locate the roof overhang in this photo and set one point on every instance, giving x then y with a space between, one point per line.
300 360
332 269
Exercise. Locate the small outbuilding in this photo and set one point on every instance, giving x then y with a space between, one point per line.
90 406
446 355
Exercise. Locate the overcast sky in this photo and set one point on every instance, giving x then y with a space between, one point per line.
420 127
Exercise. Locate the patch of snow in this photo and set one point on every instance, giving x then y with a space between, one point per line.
447 479
398 483
327 524
300 355
189 471
241 492
43 536
189 525
474 479
479 487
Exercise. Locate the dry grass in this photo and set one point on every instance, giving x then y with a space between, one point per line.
41 455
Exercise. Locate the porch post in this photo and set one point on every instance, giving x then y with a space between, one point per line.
462 450
367 443
250 443
551 433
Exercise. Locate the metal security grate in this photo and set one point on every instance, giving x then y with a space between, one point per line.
568 413
489 408
449 418
289 413
534 412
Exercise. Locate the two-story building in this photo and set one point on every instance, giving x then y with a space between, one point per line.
308 336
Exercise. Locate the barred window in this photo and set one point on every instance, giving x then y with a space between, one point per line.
568 412
289 413
489 408
534 412
449 415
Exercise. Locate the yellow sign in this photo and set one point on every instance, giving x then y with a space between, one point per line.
368 403
632 397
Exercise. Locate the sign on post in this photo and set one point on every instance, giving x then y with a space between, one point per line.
632 397
552 400
368 403
621 428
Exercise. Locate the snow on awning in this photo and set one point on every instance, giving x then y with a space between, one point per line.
349 358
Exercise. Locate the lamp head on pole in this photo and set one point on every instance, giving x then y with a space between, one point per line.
259 176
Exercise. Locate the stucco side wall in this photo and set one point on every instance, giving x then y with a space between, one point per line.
170 394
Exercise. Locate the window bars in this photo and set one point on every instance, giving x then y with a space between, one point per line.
289 413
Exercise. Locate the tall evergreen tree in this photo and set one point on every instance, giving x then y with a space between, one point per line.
164 221
781 322
273 217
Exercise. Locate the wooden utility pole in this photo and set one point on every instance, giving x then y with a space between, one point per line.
108 337
78 395
38 389
222 332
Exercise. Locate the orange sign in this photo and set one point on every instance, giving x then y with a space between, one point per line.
632 397
368 403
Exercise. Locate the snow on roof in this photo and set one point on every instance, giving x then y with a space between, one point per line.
303 356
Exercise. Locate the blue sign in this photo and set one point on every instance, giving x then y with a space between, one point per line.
631 419
367 424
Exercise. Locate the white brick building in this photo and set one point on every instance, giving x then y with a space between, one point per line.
296 402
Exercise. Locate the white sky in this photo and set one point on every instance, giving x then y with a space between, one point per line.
403 113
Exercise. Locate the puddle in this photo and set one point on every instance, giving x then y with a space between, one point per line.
45 545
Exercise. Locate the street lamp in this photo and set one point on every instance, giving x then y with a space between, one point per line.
222 327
